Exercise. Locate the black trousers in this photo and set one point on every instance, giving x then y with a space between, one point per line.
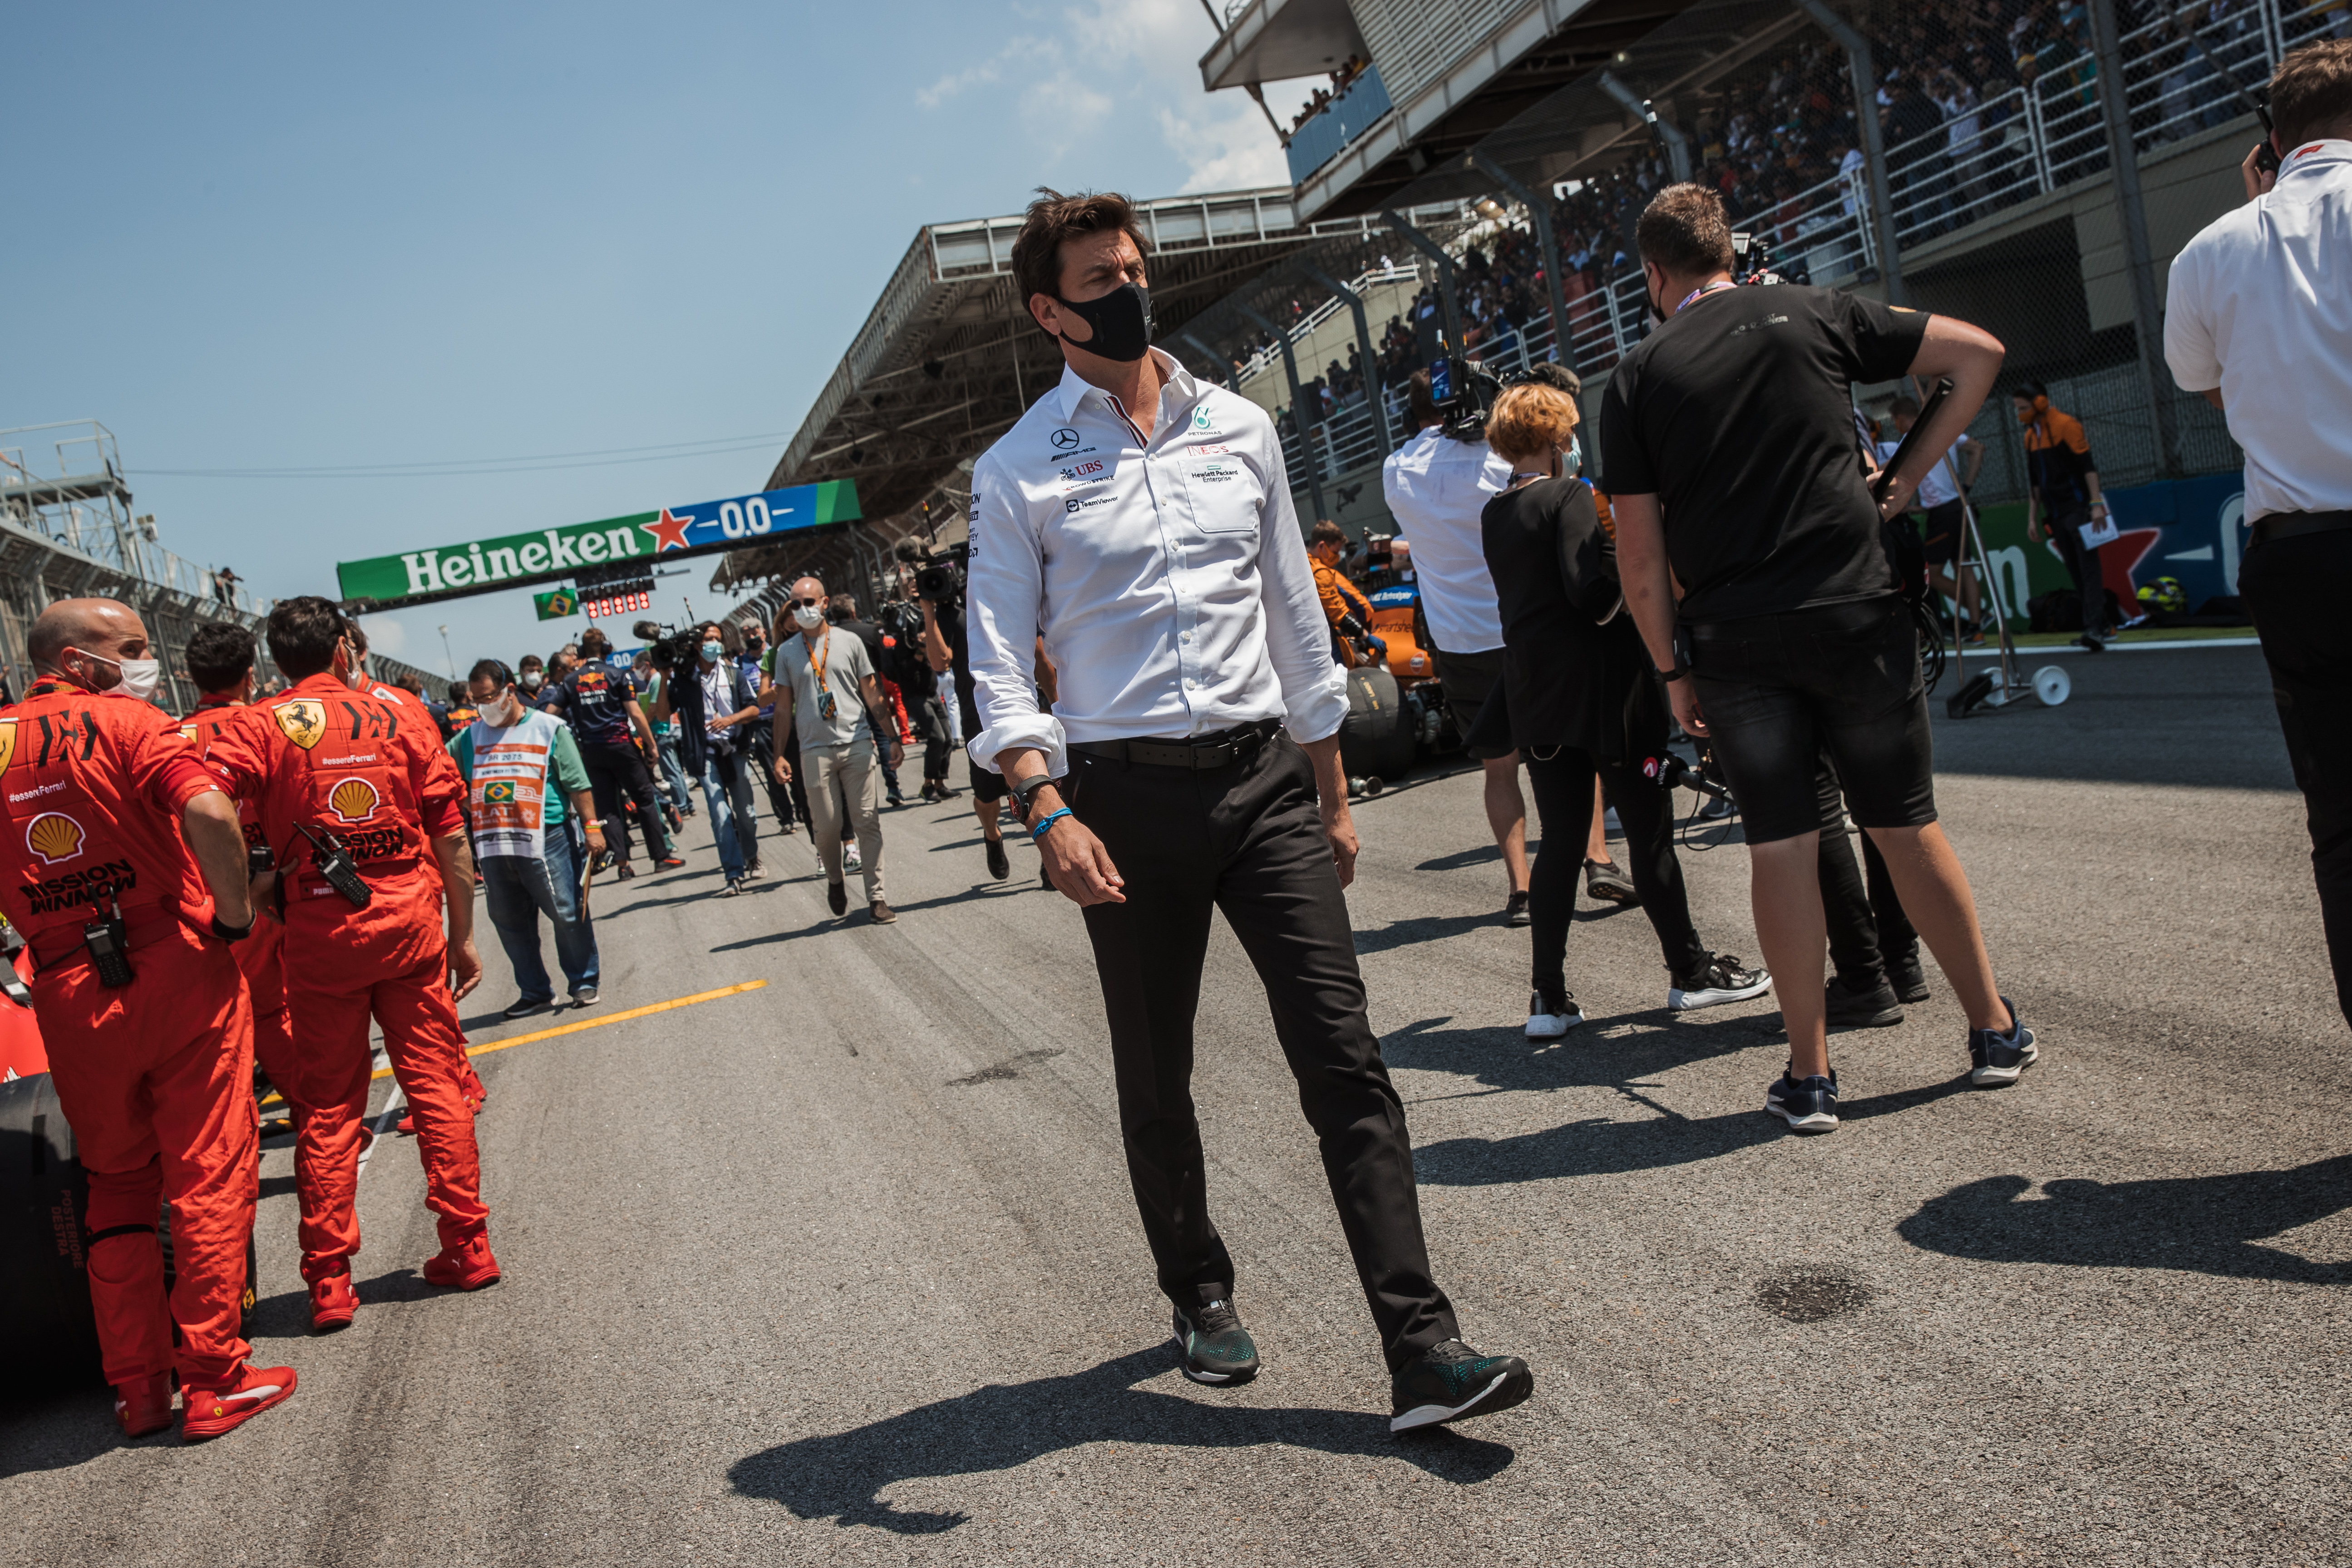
1247 839
1867 927
1562 783
2065 532
930 720
2295 589
618 771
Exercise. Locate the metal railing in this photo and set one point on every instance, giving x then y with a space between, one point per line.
78 497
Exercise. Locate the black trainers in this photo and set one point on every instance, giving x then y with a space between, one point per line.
1550 1016
1607 879
1450 1381
1000 866
837 898
1910 981
1216 1348
1515 911
1861 1006
1998 1059
525 1008
1719 981
1807 1105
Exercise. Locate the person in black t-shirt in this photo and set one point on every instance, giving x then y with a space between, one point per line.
1730 455
843 613
599 701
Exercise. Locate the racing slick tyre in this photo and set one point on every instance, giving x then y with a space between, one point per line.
1376 739
46 1322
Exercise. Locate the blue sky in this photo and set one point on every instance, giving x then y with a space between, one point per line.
251 237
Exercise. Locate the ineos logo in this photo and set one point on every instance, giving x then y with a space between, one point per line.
1064 439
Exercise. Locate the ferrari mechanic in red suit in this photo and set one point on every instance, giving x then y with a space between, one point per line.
364 812
124 867
220 662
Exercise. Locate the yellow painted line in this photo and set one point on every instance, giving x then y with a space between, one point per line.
600 1022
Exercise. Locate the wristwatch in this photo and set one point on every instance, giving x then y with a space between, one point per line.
1671 676
1027 791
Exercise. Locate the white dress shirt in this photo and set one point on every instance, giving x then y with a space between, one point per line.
1936 486
2252 312
1169 577
1437 489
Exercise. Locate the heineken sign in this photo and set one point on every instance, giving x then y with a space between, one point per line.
550 553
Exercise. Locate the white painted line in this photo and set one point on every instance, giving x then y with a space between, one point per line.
392 1109
1989 651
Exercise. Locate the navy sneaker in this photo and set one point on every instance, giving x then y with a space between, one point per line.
1997 1059
1216 1348
1449 1382
1807 1105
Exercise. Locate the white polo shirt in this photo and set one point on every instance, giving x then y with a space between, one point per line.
2259 309
1436 488
1168 575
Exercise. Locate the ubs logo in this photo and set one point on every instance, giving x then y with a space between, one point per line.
1064 439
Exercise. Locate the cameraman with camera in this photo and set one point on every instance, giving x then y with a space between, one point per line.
1730 454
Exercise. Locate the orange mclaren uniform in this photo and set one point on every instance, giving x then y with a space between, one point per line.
259 957
155 1076
337 762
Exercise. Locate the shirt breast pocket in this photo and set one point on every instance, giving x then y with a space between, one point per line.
1225 494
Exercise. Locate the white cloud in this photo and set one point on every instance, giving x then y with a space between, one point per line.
1138 53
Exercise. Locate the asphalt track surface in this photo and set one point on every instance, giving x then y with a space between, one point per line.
845 1269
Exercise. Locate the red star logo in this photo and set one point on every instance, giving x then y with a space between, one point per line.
669 533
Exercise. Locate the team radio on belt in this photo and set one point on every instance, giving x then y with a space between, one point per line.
141 855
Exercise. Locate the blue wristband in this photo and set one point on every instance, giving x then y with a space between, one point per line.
1037 833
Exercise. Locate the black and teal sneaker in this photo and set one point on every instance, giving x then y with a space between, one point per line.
1216 1348
1449 1382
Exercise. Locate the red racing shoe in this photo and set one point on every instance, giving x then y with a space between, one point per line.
465 1267
144 1406
333 1303
208 1413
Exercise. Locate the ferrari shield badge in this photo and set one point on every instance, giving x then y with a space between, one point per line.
7 742
304 722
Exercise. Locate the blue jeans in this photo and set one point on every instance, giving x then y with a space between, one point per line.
519 890
734 821
673 771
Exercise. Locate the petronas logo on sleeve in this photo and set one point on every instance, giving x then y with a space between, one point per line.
304 722
353 800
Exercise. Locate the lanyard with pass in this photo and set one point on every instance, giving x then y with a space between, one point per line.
825 703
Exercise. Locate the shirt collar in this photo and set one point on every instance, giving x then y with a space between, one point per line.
2319 150
1070 395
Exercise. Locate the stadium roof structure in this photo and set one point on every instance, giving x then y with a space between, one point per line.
948 359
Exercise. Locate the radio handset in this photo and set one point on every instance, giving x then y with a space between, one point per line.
333 859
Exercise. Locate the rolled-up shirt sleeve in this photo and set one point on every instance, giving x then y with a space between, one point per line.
1004 592
1297 637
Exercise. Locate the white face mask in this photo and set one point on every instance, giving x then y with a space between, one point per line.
808 617
140 677
500 712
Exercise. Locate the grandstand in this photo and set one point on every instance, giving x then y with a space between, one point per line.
1521 139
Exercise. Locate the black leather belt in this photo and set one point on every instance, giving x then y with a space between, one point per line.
1207 752
2280 525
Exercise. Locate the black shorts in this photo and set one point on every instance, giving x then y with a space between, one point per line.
985 785
1944 525
1469 680
1778 691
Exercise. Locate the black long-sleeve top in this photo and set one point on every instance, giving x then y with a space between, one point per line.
1568 680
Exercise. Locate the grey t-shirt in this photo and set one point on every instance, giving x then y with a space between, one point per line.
843 657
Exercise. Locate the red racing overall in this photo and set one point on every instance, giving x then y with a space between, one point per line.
345 762
155 1077
259 957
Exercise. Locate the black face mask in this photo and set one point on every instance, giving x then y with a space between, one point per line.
1121 320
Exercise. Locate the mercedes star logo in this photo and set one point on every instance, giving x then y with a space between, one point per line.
1064 439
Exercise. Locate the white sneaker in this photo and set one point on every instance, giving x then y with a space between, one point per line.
1719 980
1549 1017
851 859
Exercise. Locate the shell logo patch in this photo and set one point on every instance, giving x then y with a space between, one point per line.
7 742
55 838
353 800
304 722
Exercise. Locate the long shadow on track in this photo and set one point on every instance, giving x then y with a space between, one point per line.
842 1476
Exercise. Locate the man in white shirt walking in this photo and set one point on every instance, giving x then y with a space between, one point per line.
2259 319
1142 522
827 694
